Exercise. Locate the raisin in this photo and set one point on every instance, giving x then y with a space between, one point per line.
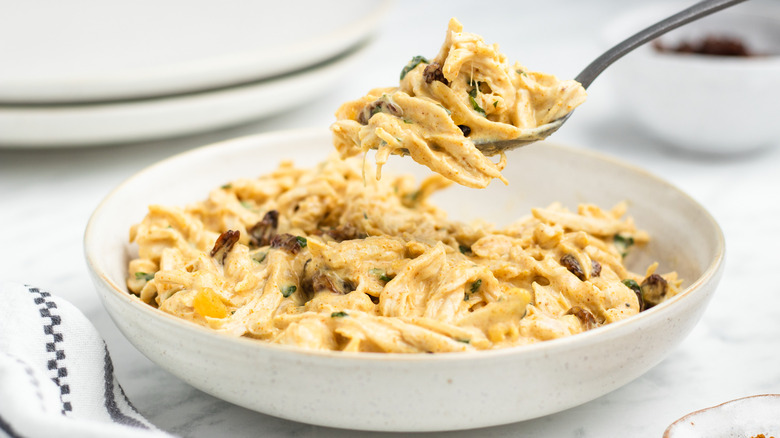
595 268
345 232
585 316
433 72
224 244
570 262
261 233
381 105
287 242
653 290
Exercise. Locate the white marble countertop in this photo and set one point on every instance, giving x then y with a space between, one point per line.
46 197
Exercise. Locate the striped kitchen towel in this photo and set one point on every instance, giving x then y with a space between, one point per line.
56 376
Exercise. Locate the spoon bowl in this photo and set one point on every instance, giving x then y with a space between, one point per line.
529 136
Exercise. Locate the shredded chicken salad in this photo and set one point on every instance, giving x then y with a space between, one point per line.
466 94
336 258
324 258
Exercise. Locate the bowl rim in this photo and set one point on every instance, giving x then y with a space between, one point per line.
670 431
267 139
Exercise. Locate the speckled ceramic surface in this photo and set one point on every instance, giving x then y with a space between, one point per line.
417 392
748 417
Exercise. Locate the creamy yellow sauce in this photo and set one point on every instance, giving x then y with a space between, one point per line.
324 258
468 93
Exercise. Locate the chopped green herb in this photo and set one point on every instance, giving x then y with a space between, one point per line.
302 241
144 276
466 296
465 341
260 257
412 197
495 103
398 140
521 72
412 64
622 243
446 109
464 249
227 186
475 285
474 104
380 273
288 290
365 216
338 314
408 122
633 285
247 205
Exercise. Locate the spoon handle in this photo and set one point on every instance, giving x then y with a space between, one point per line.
694 12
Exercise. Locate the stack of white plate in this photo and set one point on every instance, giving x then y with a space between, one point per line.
89 72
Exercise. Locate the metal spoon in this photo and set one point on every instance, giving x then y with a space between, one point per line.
595 68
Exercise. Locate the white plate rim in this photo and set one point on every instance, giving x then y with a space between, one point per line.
196 75
106 124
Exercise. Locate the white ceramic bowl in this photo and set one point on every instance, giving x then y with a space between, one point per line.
396 392
704 103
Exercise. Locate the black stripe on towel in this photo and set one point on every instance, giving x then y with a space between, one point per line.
8 429
110 401
33 380
54 348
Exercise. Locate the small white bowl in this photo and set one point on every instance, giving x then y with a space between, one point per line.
714 104
396 392
740 418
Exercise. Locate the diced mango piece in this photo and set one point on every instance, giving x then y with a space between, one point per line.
208 303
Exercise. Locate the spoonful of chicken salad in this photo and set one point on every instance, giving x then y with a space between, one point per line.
454 111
